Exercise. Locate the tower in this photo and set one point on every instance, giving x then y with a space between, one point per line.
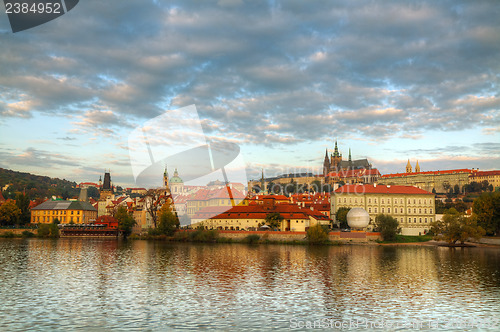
417 168
262 183
408 167
350 160
326 164
336 159
165 181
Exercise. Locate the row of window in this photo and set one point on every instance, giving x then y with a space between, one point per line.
51 219
55 212
388 201
401 210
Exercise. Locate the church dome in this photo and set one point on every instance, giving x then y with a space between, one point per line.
176 178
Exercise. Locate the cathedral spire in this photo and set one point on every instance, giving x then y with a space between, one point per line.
336 152
408 167
350 159
417 168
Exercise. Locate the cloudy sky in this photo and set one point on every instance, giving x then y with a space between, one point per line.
392 80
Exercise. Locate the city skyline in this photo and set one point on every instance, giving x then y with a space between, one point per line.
391 81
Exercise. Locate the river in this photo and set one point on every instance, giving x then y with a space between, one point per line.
97 284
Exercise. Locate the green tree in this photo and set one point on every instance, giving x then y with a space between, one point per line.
456 189
23 203
387 226
274 220
93 192
341 216
125 221
9 213
48 230
456 227
487 209
317 234
168 221
316 186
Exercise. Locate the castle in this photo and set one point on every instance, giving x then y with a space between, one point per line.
335 163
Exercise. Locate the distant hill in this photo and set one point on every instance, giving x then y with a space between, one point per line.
36 186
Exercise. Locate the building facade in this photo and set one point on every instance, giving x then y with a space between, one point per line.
412 207
439 181
493 178
66 212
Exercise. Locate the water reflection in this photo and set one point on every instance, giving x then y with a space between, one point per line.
106 284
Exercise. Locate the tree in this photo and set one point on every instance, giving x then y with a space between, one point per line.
154 199
456 227
23 203
487 209
93 192
274 220
341 216
456 189
446 187
125 221
168 221
316 234
9 213
387 226
316 186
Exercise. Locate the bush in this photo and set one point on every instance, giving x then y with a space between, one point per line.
252 238
204 236
8 235
316 234
48 230
27 234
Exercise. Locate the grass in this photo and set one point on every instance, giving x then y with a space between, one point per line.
409 239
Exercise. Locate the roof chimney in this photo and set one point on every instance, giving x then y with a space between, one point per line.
374 185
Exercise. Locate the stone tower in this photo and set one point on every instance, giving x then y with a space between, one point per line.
408 167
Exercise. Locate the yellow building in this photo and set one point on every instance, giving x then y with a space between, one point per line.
217 197
412 207
440 181
65 212
493 178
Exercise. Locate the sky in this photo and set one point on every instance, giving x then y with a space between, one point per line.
283 80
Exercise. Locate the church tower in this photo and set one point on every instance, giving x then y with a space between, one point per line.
326 164
408 167
350 160
417 168
165 181
336 159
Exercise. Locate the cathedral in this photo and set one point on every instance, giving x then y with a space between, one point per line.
335 163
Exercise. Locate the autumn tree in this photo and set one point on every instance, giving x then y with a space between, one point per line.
154 199
456 227
9 213
125 221
274 220
487 209
167 220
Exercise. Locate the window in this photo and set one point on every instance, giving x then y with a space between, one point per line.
425 211
414 211
345 200
419 201
430 219
369 200
425 219
369 210
375 210
420 220
430 211
419 211
415 220
388 210
382 201
401 210
382 210
414 201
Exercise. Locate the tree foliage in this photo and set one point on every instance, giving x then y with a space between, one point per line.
168 221
456 227
341 216
125 221
9 213
387 226
23 203
274 220
317 234
487 209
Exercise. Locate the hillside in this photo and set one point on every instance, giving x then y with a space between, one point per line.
36 186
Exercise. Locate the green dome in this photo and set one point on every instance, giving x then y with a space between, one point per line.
176 178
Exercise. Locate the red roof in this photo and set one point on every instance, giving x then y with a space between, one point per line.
451 171
485 173
380 189
258 211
